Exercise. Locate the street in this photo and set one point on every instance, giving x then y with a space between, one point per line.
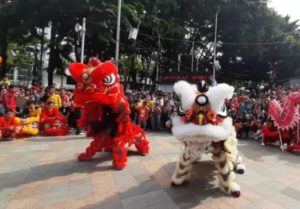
44 173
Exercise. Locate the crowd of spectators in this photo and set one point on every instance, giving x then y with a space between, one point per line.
30 110
248 107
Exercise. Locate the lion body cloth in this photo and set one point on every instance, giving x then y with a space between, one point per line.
203 127
105 112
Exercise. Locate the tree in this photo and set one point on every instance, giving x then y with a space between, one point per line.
178 23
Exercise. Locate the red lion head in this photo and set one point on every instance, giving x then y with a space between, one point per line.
97 82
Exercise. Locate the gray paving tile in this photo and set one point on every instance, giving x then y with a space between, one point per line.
111 205
152 200
282 199
82 184
6 195
79 188
142 177
291 192
136 187
14 178
55 188
130 192
297 206
149 186
193 193
51 198
126 184
251 206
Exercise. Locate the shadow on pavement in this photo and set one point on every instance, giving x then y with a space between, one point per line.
100 162
148 192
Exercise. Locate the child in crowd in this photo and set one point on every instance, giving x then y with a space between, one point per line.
143 115
8 125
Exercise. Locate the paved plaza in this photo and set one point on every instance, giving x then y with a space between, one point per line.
43 173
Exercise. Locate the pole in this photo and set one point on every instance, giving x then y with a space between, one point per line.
179 60
280 140
193 49
298 140
157 63
40 70
83 39
215 47
118 32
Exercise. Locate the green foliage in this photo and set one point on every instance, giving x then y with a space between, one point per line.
240 21
19 57
126 66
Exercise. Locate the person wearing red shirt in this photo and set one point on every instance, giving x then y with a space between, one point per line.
143 115
52 122
50 113
8 125
9 99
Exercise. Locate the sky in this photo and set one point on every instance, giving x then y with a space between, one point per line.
287 7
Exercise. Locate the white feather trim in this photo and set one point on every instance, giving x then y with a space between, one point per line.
207 132
241 167
234 187
181 180
186 93
176 121
218 94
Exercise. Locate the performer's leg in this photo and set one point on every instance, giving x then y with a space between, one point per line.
119 153
239 167
141 143
90 151
225 171
183 170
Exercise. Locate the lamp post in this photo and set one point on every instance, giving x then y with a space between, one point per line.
118 32
215 48
82 29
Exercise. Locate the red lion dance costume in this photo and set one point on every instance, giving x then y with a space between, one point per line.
286 118
106 112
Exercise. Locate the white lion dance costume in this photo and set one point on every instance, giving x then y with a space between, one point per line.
202 126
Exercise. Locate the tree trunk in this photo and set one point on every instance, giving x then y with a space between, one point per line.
51 66
38 77
35 67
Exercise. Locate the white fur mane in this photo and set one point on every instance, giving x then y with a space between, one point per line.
186 92
209 132
190 131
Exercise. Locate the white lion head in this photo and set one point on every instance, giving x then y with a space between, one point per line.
215 97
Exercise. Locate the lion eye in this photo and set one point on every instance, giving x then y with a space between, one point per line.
109 80
85 76
223 113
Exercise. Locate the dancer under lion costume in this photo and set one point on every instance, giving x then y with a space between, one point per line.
106 112
202 126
